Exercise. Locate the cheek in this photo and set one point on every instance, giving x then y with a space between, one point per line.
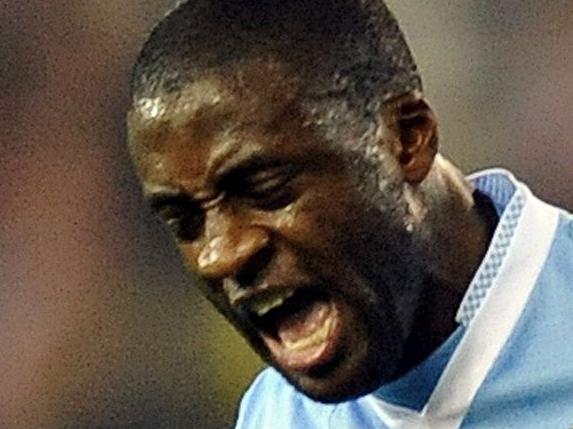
339 234
326 219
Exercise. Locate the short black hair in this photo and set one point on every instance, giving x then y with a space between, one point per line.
354 48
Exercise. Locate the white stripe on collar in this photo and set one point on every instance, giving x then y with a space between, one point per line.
490 328
509 199
506 278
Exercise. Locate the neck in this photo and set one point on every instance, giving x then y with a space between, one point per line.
457 228
459 224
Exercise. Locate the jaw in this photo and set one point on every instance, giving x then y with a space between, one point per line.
369 360
354 357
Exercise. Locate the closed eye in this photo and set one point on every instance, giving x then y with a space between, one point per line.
182 215
267 188
266 181
185 228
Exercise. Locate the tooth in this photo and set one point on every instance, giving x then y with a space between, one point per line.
312 340
262 308
266 303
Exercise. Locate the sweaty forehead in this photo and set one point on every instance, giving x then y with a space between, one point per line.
253 93
219 119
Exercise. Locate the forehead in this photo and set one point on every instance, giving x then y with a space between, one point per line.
253 112
264 76
254 91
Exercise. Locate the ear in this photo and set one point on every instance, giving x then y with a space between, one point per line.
416 133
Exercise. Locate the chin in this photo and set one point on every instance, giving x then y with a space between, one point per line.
328 346
359 370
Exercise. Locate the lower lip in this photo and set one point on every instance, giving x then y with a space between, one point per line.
315 353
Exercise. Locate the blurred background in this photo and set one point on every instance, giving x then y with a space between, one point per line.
100 327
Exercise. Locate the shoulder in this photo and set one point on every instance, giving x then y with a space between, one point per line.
562 249
271 402
562 244
566 219
557 266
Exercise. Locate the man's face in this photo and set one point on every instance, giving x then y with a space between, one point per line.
307 258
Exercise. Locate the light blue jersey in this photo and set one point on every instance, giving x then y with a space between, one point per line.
508 365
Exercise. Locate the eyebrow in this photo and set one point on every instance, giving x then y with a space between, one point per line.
159 196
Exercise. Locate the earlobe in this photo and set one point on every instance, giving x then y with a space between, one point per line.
417 132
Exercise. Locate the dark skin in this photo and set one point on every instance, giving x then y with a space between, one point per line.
260 203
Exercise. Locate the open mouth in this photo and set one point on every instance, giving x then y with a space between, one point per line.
300 327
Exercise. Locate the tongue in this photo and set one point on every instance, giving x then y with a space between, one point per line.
304 322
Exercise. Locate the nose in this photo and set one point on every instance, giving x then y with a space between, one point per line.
230 246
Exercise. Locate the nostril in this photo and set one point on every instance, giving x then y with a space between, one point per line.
254 266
